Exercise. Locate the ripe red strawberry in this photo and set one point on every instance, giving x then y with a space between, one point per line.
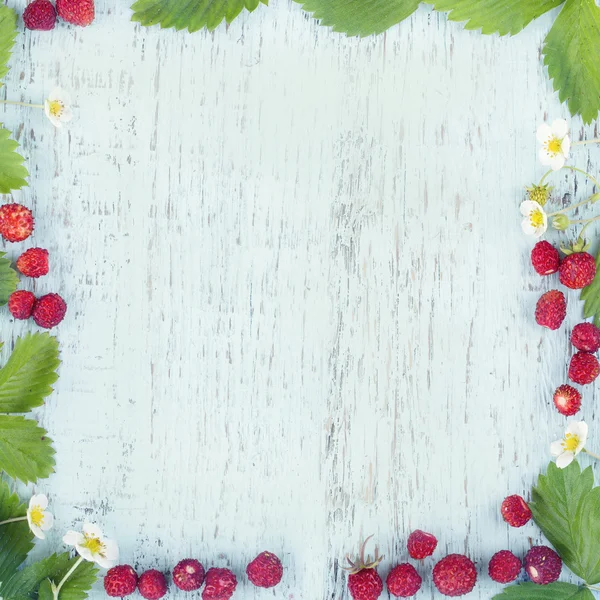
20 304
76 12
515 511
543 565
265 570
577 270
421 544
551 309
33 262
188 575
504 567
545 258
16 222
586 337
152 585
220 584
364 583
567 400
584 368
455 575
403 581
49 311
120 581
40 15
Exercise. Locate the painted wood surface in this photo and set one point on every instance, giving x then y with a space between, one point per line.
300 305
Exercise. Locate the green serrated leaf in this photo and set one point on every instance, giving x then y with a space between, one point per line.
45 591
557 504
587 532
12 171
8 33
552 591
190 14
26 451
27 377
495 16
8 279
357 17
572 55
591 295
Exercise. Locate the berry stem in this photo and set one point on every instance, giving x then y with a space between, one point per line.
544 176
14 520
56 590
15 103
592 454
590 177
582 142
593 198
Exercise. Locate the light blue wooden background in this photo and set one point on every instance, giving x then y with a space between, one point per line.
300 305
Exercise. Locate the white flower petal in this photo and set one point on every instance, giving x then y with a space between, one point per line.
544 156
556 448
73 538
566 146
104 562
67 114
527 227
560 128
557 162
544 133
37 531
48 521
85 553
564 460
529 206
92 530
111 550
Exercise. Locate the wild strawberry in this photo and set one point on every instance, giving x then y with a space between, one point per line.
403 581
567 400
543 565
33 262
16 222
364 583
49 311
545 258
455 575
515 511
40 15
504 567
265 570
20 304
120 581
76 12
421 544
220 584
586 337
551 309
188 575
577 270
152 585
584 368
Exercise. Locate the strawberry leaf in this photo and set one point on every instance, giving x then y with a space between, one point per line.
8 279
552 591
12 171
8 33
591 296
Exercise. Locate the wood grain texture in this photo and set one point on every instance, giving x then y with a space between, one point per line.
300 305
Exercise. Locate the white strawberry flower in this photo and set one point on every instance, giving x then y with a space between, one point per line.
92 546
556 143
58 107
39 519
535 222
571 445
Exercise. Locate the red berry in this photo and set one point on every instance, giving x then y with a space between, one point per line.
40 15
584 368
220 584
543 565
577 270
545 258
515 511
76 12
551 309
403 581
366 584
152 584
504 567
455 575
20 304
49 311
188 575
586 337
120 581
16 222
421 544
33 262
265 570
567 400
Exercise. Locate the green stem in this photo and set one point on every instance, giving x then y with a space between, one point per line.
592 454
15 103
592 198
582 142
583 173
14 520
592 587
544 176
56 590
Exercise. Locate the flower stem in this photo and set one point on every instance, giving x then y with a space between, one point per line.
544 176
592 199
592 587
582 142
14 520
56 590
15 103
592 454
583 173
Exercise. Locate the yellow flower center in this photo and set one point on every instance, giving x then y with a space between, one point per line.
36 514
554 145
537 218
93 544
571 442
56 108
